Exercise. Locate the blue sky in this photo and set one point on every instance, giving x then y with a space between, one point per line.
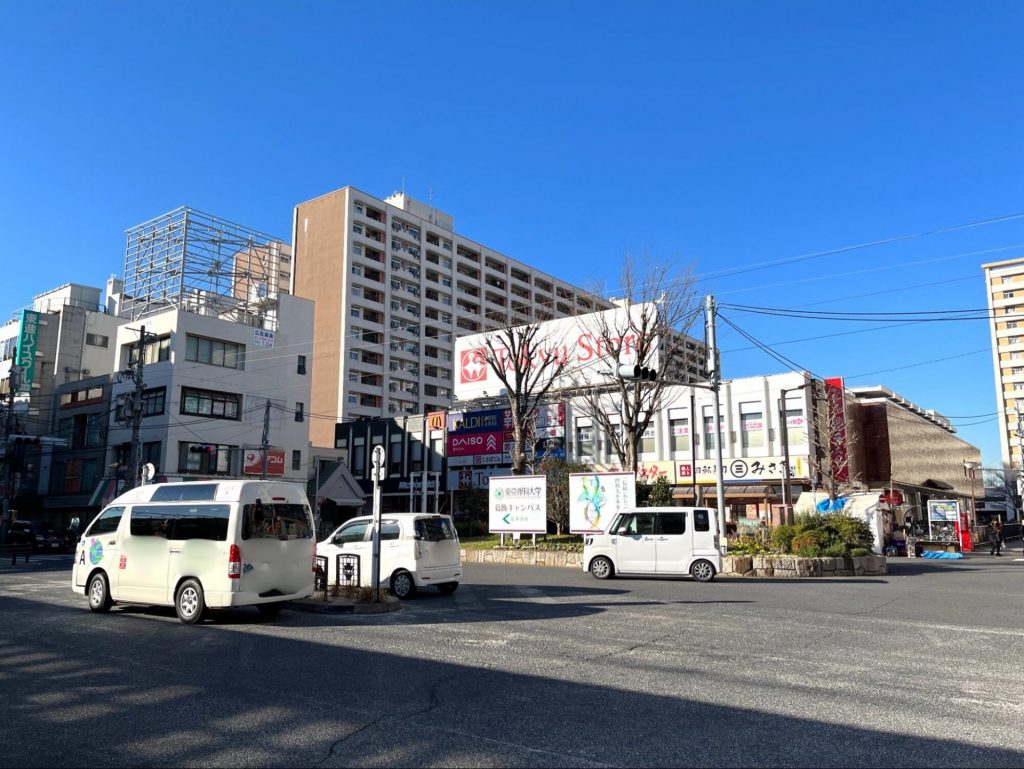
714 135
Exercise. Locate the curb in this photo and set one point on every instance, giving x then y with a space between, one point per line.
316 606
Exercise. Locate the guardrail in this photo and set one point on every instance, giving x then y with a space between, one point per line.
14 551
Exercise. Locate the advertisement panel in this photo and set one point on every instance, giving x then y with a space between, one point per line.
837 428
595 499
517 503
649 472
474 477
576 341
750 470
252 462
25 355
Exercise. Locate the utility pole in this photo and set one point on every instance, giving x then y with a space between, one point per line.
265 442
14 383
716 385
135 460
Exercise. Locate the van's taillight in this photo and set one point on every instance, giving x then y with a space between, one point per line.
234 562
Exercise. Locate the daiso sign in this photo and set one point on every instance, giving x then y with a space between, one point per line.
589 346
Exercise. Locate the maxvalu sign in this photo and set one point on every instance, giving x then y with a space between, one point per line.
591 346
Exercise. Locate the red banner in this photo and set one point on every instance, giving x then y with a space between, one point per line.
837 429
252 462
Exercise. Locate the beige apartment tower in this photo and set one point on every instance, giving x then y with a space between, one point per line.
1004 282
394 284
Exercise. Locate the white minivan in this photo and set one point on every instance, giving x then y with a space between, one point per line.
416 550
659 541
200 544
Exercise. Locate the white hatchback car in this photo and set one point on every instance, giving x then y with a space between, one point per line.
416 550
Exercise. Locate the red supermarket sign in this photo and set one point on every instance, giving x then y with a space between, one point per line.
252 462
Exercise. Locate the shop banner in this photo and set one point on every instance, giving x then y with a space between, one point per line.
252 462
750 470
26 352
595 499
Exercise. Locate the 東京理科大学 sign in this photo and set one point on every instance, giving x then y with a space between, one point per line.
518 503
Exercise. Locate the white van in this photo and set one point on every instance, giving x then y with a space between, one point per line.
416 550
200 544
657 540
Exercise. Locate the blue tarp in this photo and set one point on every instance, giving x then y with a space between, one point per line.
940 554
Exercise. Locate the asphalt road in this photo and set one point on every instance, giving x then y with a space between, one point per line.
533 667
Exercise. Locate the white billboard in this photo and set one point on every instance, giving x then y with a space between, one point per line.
518 503
580 341
595 499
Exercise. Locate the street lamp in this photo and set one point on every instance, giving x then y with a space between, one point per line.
787 493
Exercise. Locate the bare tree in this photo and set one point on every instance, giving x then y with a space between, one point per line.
528 363
658 306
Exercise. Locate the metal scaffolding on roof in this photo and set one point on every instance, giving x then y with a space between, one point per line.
199 263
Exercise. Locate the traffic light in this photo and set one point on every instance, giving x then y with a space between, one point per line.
637 373
22 440
202 449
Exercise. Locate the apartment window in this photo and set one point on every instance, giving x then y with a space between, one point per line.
215 352
300 367
751 426
1011 324
680 429
1007 295
357 248
353 398
300 412
1012 339
199 458
153 401
157 351
360 207
357 228
357 270
97 340
1016 371
210 403
296 461
795 433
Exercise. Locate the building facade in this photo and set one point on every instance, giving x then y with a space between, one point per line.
394 284
1004 287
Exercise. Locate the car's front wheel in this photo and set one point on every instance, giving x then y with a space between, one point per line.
601 567
702 571
190 602
99 593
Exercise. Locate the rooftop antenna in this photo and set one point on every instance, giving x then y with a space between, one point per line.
403 185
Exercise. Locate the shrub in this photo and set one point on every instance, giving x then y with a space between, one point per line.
857 552
852 532
782 538
807 544
747 546
835 550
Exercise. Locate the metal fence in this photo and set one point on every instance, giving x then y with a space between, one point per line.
346 570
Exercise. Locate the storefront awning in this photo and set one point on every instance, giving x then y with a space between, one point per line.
342 488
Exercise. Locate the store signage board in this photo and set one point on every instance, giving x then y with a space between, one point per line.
752 470
517 504
596 498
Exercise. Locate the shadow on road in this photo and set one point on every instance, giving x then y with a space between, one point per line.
105 692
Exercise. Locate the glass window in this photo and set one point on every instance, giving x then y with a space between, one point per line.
389 530
647 441
672 523
354 532
210 403
702 520
107 522
266 520
215 352
97 340
709 432
301 366
795 432
434 529
296 460
395 458
300 412
192 492
585 443
638 523
680 429
751 426
153 401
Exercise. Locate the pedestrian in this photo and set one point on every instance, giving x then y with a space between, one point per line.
996 528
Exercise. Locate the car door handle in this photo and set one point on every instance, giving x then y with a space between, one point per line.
175 549
112 542
663 539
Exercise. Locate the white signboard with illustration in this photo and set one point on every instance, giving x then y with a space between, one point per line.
595 498
518 503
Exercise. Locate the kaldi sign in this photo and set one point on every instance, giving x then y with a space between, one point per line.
252 462
578 342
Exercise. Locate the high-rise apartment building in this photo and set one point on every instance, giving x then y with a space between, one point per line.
394 284
1004 283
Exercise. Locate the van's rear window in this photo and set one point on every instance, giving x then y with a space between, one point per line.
186 492
434 529
266 520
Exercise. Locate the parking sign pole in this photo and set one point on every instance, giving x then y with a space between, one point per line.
378 476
